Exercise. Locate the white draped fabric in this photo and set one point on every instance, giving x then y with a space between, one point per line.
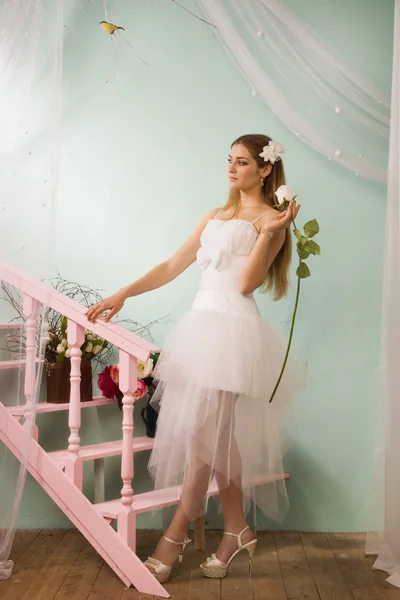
384 537
31 36
305 82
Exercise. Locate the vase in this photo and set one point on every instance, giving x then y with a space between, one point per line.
58 381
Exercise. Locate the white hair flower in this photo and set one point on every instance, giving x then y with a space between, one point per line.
272 152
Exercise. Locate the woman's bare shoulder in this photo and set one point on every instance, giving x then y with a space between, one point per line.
212 213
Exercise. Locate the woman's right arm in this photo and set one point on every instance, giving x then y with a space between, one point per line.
157 277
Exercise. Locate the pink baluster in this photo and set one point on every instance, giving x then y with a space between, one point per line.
74 467
127 385
31 310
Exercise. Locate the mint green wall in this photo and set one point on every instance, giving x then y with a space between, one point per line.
144 157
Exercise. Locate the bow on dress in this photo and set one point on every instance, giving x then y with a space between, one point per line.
205 258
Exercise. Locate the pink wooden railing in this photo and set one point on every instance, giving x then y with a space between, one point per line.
130 348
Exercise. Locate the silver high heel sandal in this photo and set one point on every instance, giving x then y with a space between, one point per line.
163 572
216 569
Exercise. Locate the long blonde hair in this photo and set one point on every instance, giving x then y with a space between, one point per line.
277 280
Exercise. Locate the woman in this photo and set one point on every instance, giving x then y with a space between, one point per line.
221 362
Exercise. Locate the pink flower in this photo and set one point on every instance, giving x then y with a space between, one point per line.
108 382
114 373
108 387
141 389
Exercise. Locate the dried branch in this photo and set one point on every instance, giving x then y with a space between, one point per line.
193 14
16 340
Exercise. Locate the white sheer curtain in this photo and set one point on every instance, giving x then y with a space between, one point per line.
306 83
384 538
31 51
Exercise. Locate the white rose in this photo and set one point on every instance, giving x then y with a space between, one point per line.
89 337
144 369
64 343
89 347
68 353
60 349
97 349
284 193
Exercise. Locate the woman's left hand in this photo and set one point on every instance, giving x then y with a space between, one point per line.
284 218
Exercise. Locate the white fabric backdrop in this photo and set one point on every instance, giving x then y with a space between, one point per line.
384 538
31 35
306 83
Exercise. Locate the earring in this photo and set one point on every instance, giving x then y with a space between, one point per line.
262 181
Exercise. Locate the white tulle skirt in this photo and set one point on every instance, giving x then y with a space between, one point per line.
216 425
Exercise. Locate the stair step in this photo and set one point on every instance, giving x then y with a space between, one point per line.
45 407
149 501
112 546
14 364
105 449
12 326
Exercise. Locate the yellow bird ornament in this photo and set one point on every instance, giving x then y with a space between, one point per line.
109 27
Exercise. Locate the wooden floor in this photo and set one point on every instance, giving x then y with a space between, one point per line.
61 565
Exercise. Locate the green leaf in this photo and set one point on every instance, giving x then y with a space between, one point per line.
60 357
311 228
303 271
299 236
64 324
302 240
301 251
313 248
155 356
284 206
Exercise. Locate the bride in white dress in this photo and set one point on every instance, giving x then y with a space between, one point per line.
221 362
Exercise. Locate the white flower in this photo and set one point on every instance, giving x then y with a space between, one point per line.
64 343
60 349
68 353
89 337
89 347
97 349
272 152
284 193
144 368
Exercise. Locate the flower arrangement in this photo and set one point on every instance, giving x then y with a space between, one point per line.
305 246
57 348
108 380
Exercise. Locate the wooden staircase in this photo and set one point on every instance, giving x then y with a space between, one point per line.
60 473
